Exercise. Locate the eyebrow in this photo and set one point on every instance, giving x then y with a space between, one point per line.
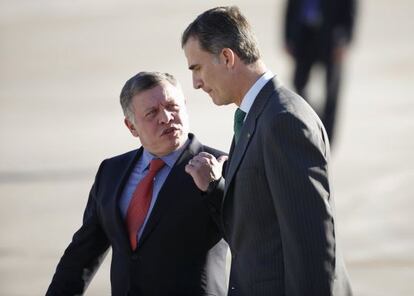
149 109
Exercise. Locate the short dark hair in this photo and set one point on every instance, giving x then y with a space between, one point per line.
139 83
224 27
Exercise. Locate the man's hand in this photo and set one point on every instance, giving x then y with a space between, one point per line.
205 168
290 50
339 53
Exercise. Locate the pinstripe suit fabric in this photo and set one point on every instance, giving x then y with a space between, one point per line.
277 207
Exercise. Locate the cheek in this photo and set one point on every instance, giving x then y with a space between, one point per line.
182 116
207 75
147 130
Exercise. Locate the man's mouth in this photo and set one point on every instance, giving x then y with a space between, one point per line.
208 91
169 130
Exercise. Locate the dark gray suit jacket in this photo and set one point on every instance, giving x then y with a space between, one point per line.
180 251
277 210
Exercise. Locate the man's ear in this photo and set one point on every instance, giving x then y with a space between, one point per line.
131 127
227 57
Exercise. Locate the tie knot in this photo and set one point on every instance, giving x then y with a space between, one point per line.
239 116
156 164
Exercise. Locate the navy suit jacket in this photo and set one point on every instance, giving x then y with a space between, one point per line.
173 257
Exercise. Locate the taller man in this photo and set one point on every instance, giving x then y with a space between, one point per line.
276 202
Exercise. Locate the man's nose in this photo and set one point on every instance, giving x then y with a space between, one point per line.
197 82
166 116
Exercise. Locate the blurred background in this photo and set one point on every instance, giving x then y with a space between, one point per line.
63 64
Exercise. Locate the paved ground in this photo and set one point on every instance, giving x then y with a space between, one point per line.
63 64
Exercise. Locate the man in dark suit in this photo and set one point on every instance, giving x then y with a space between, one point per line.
319 31
164 240
275 199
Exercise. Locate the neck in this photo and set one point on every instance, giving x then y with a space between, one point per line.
247 76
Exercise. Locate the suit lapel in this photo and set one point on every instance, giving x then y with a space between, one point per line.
171 187
238 150
119 221
225 172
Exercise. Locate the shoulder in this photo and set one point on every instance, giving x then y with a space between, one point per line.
284 103
124 157
115 163
195 146
287 113
213 151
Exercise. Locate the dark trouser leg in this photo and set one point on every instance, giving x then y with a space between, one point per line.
333 77
305 56
301 75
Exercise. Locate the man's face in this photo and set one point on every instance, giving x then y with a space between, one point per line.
160 119
209 72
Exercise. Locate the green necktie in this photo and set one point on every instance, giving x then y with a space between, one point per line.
239 116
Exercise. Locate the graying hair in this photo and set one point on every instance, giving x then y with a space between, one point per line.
224 27
139 83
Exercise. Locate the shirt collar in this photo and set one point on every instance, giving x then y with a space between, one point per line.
251 95
169 159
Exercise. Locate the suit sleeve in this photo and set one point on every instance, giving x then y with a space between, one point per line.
214 197
215 192
296 169
84 254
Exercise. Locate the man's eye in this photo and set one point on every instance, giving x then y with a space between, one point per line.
173 107
150 113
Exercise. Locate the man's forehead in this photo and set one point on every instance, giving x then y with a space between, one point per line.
172 92
193 42
192 47
165 92
196 55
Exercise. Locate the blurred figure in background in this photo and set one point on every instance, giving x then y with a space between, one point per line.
319 31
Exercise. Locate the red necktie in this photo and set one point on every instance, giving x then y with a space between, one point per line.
140 202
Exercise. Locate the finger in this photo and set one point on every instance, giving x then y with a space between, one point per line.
201 159
192 161
197 165
189 169
222 158
206 155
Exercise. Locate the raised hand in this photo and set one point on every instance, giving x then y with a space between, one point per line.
205 168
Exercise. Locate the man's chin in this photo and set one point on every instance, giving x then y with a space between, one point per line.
172 146
172 143
214 99
219 101
177 138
